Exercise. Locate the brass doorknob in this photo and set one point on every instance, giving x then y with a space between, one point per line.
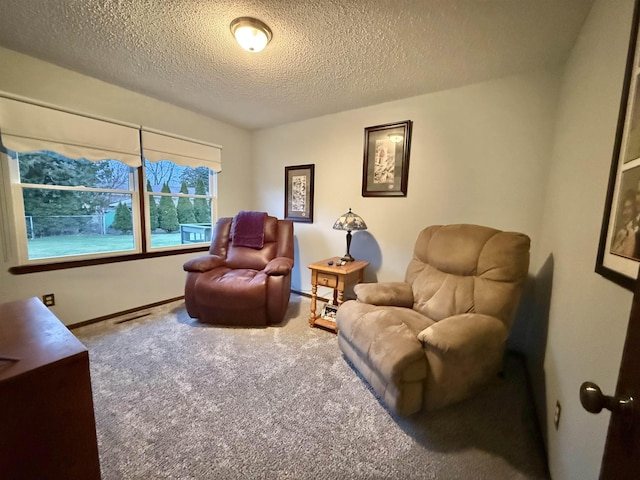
593 400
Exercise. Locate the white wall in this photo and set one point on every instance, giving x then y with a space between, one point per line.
91 292
588 314
479 154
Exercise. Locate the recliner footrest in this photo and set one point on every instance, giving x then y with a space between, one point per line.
405 398
386 351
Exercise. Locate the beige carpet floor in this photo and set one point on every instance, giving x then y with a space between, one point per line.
178 399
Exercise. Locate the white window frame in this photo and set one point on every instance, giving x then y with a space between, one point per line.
17 188
29 124
18 239
213 197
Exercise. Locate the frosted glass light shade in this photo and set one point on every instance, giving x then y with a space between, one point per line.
251 34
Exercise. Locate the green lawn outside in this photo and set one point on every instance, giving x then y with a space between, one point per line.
62 246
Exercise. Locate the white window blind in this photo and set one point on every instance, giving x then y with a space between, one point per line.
25 127
189 153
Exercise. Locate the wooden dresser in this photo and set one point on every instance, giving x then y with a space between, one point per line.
47 423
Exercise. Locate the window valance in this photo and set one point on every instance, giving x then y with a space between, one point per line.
27 127
189 153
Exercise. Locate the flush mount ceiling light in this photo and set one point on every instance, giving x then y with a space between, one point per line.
252 34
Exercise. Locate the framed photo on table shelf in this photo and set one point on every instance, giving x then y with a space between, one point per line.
329 312
618 256
298 193
385 172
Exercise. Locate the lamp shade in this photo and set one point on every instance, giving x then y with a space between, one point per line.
350 222
252 34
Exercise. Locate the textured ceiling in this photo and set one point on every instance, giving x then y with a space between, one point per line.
326 56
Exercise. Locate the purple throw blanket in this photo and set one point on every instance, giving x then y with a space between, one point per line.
248 229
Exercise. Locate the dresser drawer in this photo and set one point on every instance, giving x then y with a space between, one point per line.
327 280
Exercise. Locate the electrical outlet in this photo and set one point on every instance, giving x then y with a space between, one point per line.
49 299
556 415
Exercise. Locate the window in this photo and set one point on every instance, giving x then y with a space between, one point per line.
181 174
180 207
74 207
76 186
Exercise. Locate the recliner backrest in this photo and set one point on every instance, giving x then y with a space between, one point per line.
276 243
468 269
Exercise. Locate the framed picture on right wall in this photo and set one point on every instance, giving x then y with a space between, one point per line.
618 256
385 171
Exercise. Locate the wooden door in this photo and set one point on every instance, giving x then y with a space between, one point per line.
621 458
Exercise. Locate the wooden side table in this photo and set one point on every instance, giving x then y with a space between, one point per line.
333 276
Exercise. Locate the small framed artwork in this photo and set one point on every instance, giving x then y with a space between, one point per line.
298 193
329 312
385 172
618 256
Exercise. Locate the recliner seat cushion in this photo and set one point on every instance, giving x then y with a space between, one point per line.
235 289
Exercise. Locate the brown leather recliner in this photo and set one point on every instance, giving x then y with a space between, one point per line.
242 285
440 335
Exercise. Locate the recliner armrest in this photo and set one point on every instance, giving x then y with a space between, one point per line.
203 263
465 334
279 266
394 294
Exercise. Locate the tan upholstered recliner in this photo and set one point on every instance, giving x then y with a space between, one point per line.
437 337
246 277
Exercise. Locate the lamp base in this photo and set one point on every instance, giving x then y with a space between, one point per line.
347 258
